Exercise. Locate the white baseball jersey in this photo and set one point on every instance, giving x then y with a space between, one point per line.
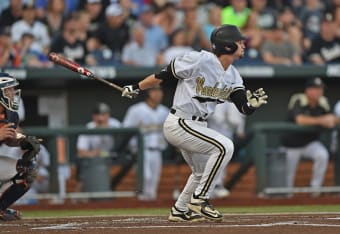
93 142
203 82
150 121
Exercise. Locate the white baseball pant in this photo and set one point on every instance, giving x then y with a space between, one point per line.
315 151
206 151
152 172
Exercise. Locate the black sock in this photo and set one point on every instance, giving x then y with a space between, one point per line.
13 193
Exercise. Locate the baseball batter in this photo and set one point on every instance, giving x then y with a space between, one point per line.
205 79
19 172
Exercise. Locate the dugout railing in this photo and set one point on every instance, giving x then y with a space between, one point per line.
51 139
267 139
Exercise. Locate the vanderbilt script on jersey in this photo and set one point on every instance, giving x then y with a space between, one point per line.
212 91
203 82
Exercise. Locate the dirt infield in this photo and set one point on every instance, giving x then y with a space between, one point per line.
311 223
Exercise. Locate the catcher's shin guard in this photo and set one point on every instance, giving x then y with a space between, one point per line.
21 183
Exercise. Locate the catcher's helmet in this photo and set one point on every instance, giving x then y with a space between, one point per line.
9 98
223 39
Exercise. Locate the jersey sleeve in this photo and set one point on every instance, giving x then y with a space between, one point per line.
83 142
183 66
324 104
237 83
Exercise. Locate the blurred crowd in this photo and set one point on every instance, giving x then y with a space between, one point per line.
151 33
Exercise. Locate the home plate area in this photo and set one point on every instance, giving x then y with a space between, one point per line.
232 223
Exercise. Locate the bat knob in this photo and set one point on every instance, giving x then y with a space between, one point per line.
53 56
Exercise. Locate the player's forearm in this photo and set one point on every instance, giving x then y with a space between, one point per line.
88 153
307 120
149 82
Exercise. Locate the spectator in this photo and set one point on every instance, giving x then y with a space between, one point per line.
98 145
12 14
188 5
114 33
130 10
278 49
310 108
214 20
5 47
255 37
82 19
54 17
311 16
149 116
166 18
154 35
325 48
98 54
178 47
292 26
266 16
25 55
68 43
228 121
236 14
42 5
337 21
137 52
95 9
29 24
195 35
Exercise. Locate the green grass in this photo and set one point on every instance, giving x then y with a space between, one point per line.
165 211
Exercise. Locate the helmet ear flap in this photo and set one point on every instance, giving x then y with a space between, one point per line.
230 48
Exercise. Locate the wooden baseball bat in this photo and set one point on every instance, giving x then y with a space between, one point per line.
75 67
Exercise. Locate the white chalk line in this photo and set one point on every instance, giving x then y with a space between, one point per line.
61 226
158 215
288 223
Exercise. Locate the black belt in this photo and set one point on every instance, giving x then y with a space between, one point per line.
196 118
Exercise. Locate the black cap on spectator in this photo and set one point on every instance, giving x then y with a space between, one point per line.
314 82
101 108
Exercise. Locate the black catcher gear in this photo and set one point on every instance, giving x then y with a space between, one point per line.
223 39
30 143
21 182
9 97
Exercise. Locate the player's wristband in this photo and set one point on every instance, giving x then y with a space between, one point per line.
248 109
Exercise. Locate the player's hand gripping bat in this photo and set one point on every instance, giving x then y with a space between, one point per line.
60 60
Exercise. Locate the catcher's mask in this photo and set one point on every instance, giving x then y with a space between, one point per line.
223 39
9 95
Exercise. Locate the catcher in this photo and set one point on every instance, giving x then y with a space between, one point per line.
18 174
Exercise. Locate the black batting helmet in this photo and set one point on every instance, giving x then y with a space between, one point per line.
223 39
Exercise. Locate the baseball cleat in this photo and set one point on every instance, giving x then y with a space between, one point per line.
177 215
203 207
10 215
